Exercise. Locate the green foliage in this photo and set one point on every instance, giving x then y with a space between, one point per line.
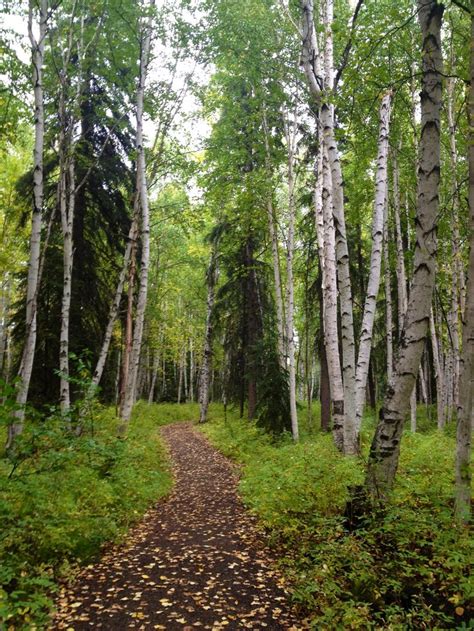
62 497
405 569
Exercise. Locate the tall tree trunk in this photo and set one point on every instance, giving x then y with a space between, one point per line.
273 233
385 449
290 133
438 370
378 221
324 387
128 341
142 199
191 371
33 281
212 277
156 364
388 298
466 381
114 309
401 273
312 66
457 272
331 338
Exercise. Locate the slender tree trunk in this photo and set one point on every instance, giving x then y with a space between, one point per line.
458 279
312 66
33 281
290 303
156 363
385 449
191 371
180 378
66 205
438 370
331 338
388 298
324 387
272 230
466 381
114 309
378 221
142 200
127 348
401 274
206 366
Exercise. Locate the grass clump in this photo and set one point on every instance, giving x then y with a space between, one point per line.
405 568
63 496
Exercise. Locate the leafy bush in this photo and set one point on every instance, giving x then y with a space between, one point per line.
63 496
407 568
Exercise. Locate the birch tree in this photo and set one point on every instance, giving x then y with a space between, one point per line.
313 70
385 448
142 203
381 185
26 365
466 381
205 374
290 136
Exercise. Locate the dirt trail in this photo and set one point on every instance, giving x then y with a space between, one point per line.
195 560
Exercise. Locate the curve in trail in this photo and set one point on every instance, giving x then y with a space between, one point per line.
194 562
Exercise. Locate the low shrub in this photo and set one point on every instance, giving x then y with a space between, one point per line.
405 568
63 496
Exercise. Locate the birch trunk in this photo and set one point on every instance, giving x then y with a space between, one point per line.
180 378
290 133
466 381
33 281
114 309
142 200
272 230
205 375
156 363
67 218
388 298
385 449
438 369
127 350
380 204
458 280
312 67
191 371
331 338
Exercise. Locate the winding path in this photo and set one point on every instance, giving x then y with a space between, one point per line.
194 562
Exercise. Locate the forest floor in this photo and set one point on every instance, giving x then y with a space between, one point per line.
196 560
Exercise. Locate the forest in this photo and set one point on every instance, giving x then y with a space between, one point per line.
236 314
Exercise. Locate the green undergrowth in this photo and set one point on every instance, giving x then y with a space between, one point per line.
407 568
62 497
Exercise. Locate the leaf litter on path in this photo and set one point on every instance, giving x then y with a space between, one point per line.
195 561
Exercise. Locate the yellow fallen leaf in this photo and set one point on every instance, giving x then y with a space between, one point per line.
459 611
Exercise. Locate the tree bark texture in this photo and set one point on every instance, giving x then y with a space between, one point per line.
385 448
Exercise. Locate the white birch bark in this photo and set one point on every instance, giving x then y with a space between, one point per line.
290 133
191 370
439 377
33 281
312 66
206 366
331 338
385 449
142 200
114 309
466 380
272 230
388 298
458 294
402 293
373 284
